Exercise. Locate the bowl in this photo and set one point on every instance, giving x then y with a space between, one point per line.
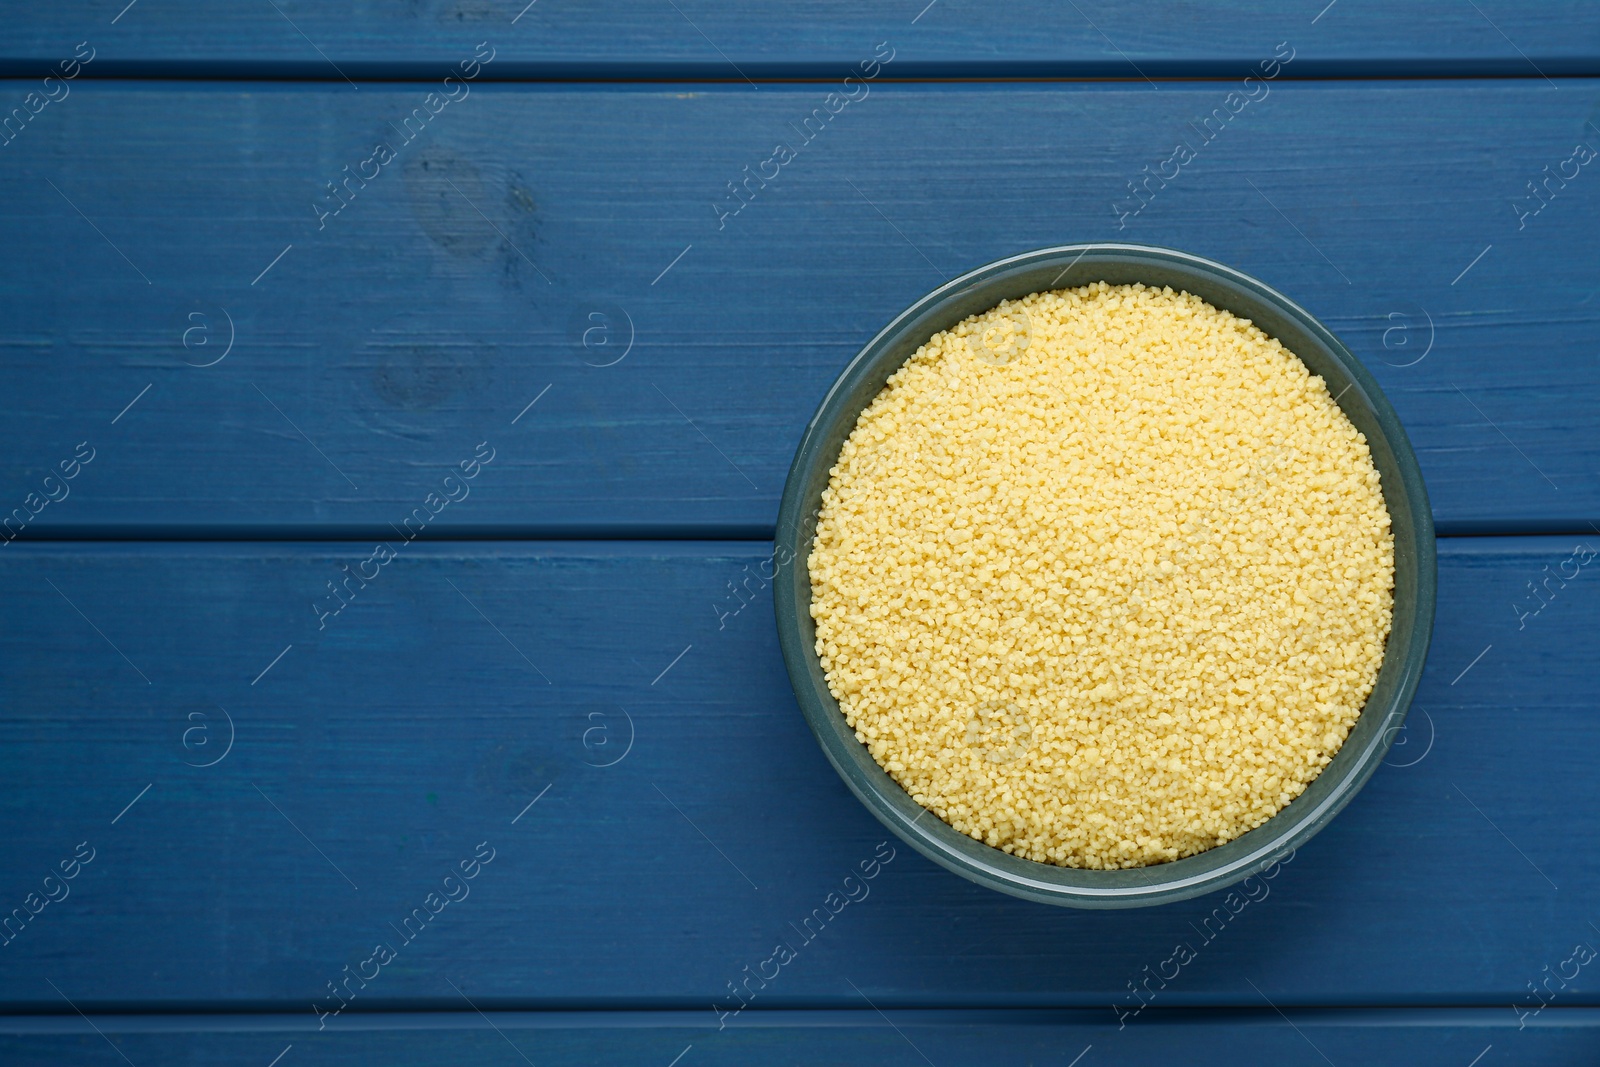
1415 578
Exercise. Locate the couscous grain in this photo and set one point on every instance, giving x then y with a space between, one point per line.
1103 576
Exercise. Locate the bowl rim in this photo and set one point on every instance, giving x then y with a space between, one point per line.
1081 887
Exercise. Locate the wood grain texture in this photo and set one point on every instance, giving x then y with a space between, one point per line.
372 354
947 1038
698 38
467 680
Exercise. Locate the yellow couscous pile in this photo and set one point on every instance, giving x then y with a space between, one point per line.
1103 576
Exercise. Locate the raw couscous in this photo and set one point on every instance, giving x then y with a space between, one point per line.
1103 576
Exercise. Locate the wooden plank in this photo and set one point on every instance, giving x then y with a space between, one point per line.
628 747
947 1038
371 356
698 38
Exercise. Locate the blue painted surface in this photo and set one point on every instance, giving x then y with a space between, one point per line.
379 751
1559 1036
384 346
736 41
252 781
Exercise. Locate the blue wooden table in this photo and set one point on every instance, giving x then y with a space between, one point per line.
396 404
